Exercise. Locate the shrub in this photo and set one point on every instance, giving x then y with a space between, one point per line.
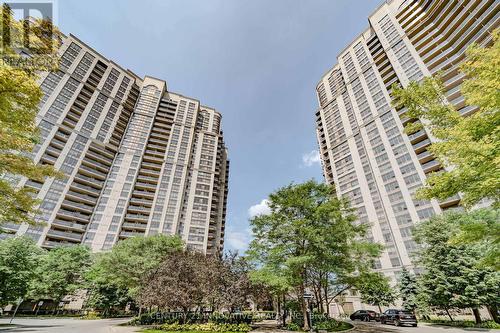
292 327
208 327
231 318
151 318
330 325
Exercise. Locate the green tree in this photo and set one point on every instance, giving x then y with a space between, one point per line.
19 257
452 277
376 290
20 95
107 298
179 282
469 146
129 260
408 290
60 272
308 228
481 227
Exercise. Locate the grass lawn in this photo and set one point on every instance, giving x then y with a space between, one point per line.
343 326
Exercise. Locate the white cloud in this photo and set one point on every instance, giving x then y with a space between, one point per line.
239 240
309 159
261 208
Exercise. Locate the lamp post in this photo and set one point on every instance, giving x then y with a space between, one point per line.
307 297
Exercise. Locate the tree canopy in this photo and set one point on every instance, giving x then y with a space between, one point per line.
130 260
452 276
468 146
60 272
308 229
19 258
20 96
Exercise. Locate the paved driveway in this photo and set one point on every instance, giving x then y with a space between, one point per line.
66 325
373 327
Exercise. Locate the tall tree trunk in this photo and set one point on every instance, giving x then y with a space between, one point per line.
477 315
379 308
448 313
493 310
284 311
303 306
278 312
327 301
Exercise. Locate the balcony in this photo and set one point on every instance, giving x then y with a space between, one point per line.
139 209
69 225
156 154
78 206
53 151
417 136
418 147
52 244
449 202
101 159
73 215
83 179
144 194
127 234
154 159
93 172
146 186
70 123
86 189
149 172
161 148
153 166
66 235
137 217
147 179
139 226
48 159
431 166
424 156
137 201
82 197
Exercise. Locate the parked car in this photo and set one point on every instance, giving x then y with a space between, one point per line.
398 317
365 315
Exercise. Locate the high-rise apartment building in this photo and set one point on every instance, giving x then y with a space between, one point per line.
138 159
363 148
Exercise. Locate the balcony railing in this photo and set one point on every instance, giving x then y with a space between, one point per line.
65 235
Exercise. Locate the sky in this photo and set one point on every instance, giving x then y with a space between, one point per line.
256 61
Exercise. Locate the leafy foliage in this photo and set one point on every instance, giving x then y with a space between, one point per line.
178 283
481 227
452 276
408 290
60 272
308 229
208 327
469 146
18 259
19 98
376 290
130 260
20 95
106 298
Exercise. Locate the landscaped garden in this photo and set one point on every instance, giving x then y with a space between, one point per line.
227 323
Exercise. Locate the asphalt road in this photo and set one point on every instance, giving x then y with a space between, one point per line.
374 327
65 325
